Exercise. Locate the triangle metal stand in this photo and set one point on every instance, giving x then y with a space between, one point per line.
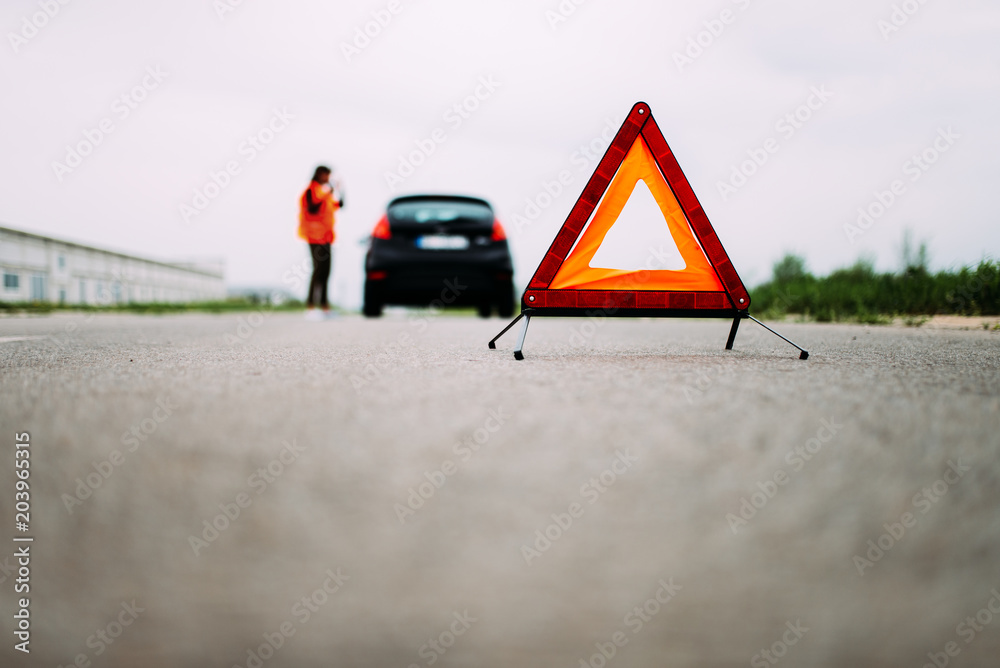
803 353
518 355
526 315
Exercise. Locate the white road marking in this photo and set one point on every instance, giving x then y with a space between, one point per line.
11 339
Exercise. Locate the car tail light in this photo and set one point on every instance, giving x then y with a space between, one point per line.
498 232
381 230
377 275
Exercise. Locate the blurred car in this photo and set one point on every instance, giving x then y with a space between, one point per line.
441 250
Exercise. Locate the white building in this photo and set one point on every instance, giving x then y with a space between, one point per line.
43 269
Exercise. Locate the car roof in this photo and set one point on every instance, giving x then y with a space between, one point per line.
440 198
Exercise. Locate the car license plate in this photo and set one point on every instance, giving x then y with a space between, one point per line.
442 242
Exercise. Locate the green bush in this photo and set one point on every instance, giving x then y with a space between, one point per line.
860 293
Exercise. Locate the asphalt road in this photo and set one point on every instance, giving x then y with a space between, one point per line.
629 495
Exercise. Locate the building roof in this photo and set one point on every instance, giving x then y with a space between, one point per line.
185 266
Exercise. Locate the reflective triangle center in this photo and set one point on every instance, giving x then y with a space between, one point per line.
577 271
640 238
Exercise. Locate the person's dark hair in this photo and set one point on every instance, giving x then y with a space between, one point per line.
320 171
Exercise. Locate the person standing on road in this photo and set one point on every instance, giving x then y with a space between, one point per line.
317 209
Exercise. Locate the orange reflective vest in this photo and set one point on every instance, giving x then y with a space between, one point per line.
316 212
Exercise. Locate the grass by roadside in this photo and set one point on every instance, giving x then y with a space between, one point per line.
940 322
235 305
860 294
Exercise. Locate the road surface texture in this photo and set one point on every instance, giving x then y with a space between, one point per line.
254 490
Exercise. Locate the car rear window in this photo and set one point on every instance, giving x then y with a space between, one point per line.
439 212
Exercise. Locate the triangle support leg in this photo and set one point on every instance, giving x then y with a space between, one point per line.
493 343
732 332
518 355
803 353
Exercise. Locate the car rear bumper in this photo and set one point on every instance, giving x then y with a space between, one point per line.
456 288
399 274
390 255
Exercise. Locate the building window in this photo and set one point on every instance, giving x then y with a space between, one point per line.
62 262
11 281
83 292
62 295
38 288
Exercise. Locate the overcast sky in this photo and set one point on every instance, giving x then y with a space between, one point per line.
200 77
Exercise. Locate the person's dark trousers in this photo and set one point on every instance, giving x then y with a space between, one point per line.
322 262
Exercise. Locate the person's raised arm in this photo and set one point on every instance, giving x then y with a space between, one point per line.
312 205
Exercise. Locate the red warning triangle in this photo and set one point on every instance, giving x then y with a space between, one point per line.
639 163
